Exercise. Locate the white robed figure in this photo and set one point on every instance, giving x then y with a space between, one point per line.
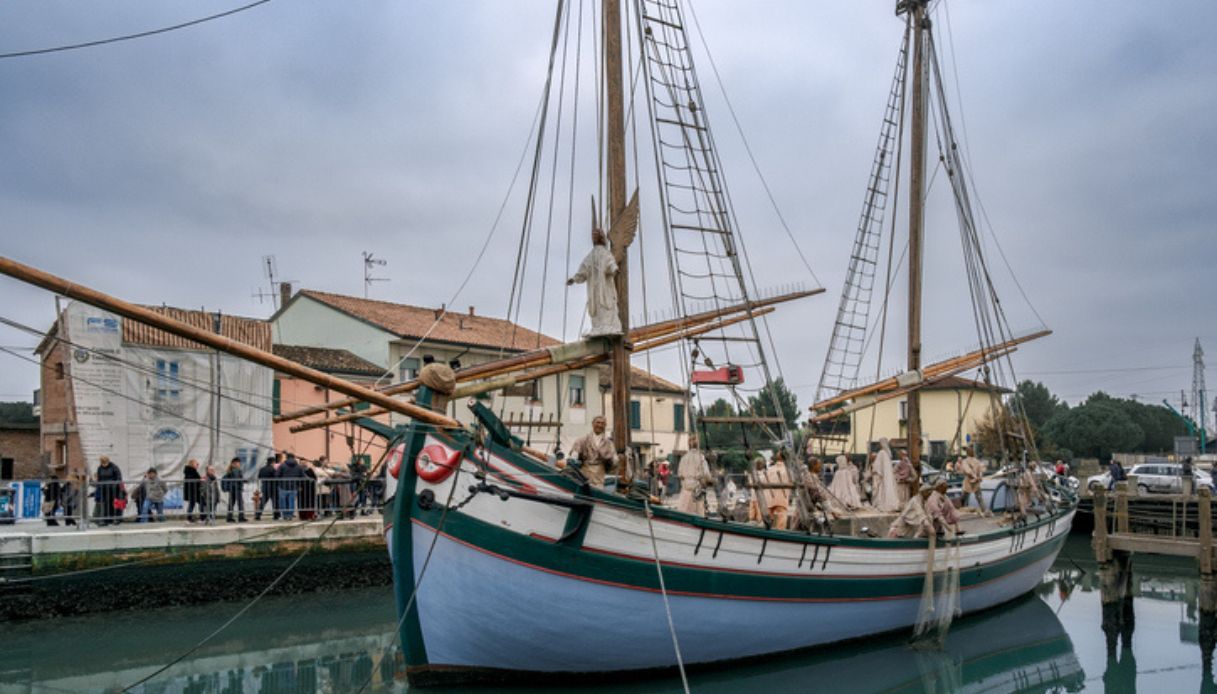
845 485
599 271
882 475
695 476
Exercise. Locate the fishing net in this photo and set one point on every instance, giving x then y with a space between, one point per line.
939 597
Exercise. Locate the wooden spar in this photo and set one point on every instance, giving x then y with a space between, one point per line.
935 369
741 420
614 174
543 357
551 370
663 327
93 297
871 400
916 219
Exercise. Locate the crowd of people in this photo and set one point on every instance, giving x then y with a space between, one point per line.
292 487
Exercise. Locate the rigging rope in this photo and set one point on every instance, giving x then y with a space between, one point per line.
422 573
663 589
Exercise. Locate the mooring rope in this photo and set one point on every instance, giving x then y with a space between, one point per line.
663 590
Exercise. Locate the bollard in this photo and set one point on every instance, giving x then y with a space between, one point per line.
1122 507
1205 517
1099 538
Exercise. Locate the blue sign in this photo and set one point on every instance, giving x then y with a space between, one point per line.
94 324
31 500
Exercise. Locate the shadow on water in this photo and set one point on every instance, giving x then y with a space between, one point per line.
1060 639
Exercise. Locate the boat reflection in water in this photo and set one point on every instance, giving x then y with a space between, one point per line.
335 643
1021 647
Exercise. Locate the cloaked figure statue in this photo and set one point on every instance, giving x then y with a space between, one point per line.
883 495
599 271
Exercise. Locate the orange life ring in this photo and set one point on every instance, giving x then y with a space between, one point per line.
434 463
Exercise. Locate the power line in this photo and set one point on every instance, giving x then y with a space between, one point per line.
1103 371
128 37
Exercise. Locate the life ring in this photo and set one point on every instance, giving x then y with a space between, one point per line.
394 461
434 463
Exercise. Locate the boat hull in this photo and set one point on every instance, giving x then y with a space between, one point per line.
483 613
515 590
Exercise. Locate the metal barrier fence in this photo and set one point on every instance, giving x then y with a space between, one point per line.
92 503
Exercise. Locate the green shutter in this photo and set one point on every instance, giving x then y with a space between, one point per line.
635 414
274 399
678 417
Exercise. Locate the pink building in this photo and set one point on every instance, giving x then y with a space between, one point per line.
341 442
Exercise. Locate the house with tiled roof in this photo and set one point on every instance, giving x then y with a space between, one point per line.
952 409
659 413
337 443
399 338
145 398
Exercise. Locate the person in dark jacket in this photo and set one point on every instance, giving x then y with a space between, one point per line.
289 479
52 498
268 489
192 495
110 490
1117 473
358 472
308 492
233 485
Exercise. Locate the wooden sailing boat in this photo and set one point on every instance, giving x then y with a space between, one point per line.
506 568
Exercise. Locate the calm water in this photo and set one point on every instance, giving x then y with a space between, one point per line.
1052 641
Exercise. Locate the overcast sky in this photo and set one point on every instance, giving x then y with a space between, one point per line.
163 169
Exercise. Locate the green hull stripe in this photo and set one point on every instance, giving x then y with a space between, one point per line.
640 574
458 440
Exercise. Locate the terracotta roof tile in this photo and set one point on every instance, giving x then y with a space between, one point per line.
641 380
961 383
338 361
252 331
414 321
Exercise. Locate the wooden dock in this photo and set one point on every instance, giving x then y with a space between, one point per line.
1120 534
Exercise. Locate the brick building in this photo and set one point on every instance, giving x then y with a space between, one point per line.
146 398
20 453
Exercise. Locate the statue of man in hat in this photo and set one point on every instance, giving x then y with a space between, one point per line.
599 271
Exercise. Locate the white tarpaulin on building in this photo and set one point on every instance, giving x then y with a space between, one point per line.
146 406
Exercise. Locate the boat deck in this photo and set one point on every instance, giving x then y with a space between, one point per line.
871 523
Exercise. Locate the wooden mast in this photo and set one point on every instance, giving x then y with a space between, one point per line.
920 25
615 176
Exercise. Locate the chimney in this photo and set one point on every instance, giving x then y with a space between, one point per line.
285 293
471 311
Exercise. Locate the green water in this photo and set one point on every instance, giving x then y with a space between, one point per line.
1050 641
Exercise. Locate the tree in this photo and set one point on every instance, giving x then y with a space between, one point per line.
1095 429
1038 403
761 404
17 413
993 434
719 436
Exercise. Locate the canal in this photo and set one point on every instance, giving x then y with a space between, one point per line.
1052 641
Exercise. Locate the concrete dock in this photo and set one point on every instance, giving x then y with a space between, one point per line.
47 571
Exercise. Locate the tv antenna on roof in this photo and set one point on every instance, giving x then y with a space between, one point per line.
270 269
368 263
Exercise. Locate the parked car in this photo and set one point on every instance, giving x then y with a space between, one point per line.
1161 478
